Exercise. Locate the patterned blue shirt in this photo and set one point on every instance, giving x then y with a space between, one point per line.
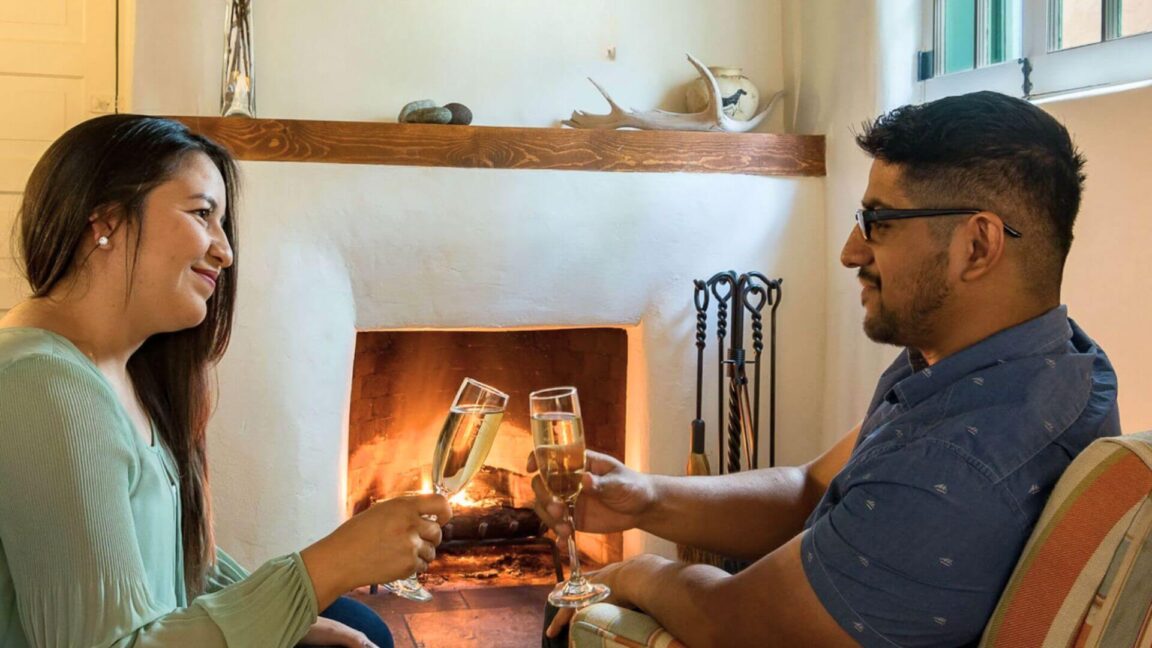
916 537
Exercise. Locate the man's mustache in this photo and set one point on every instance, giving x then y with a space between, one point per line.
868 277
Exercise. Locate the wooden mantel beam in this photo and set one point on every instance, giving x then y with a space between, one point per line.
492 147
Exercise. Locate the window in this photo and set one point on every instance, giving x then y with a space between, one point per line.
1034 47
976 34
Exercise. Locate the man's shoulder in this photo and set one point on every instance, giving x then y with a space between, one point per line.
1007 413
1021 419
1016 425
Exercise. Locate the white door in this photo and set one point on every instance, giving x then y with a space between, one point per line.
57 68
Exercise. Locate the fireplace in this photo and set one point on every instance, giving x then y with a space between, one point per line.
402 384
339 249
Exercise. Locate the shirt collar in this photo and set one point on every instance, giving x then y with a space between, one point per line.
1046 333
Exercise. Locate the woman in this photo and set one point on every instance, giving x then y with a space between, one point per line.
127 235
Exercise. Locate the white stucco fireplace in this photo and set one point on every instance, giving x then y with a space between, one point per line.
327 251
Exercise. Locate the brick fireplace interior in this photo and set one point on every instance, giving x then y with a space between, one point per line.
402 385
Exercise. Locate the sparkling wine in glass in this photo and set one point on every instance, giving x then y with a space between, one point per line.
463 445
558 437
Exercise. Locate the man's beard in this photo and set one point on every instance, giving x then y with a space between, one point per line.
930 291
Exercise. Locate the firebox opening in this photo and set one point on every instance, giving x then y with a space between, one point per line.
402 385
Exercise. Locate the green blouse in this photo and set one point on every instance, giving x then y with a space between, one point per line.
90 551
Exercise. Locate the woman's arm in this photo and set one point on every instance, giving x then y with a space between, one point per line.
68 469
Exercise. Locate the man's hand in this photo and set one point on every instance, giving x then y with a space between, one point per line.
610 576
326 632
613 498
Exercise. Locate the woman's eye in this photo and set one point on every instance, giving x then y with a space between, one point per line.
202 213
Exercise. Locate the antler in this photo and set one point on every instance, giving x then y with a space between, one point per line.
712 118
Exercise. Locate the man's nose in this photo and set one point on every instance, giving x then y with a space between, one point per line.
856 252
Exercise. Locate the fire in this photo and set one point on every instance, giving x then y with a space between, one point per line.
463 500
476 496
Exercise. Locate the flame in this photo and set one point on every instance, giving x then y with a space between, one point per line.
463 500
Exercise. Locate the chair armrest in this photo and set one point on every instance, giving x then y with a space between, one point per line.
607 626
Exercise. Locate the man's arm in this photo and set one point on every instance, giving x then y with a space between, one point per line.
747 514
769 604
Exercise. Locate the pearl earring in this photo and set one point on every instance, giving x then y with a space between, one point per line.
102 241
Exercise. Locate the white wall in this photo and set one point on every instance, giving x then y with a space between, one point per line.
843 66
327 249
1107 285
514 62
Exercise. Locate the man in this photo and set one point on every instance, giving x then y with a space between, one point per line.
906 531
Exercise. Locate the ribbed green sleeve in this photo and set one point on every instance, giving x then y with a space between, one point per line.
77 537
226 571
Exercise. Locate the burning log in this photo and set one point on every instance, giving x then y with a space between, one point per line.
491 523
491 487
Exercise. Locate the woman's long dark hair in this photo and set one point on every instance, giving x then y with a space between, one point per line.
113 162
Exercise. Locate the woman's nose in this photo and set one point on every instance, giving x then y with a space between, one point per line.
221 249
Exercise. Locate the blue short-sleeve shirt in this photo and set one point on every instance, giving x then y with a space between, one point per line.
916 537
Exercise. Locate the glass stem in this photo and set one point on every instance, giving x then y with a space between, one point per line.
575 577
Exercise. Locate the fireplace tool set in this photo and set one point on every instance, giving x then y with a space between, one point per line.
738 299
740 302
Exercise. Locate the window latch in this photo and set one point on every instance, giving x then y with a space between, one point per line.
1026 70
925 65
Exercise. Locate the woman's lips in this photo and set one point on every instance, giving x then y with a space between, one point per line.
208 276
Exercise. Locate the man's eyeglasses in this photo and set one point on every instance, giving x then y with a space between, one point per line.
865 218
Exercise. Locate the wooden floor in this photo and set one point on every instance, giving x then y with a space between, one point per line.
464 617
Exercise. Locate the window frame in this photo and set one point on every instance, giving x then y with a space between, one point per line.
1122 60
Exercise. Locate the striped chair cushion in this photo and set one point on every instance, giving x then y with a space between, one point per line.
607 626
1085 577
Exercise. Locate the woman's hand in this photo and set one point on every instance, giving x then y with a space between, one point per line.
388 541
396 532
326 632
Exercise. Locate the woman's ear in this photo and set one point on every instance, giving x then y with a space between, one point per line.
104 223
983 239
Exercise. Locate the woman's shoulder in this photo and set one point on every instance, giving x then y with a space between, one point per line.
47 368
52 394
38 347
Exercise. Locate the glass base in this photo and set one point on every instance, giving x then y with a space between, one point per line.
571 595
409 588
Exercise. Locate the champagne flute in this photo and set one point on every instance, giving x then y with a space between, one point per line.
463 445
558 437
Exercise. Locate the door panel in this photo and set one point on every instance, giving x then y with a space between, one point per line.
12 287
57 68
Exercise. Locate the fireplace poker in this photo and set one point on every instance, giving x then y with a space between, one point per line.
727 282
697 460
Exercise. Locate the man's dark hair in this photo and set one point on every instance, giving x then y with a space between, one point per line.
989 151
